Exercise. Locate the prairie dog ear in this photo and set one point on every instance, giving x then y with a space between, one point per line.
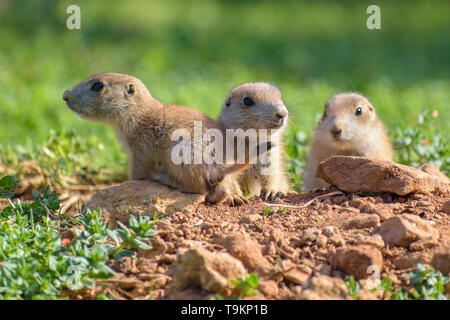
228 102
371 108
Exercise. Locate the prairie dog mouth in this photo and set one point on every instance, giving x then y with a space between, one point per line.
73 108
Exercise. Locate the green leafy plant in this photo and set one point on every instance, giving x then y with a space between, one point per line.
247 286
36 262
353 287
268 211
423 143
428 285
7 185
297 149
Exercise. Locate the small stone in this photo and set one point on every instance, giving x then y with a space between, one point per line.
357 203
210 271
296 276
404 229
446 207
410 260
441 257
309 235
269 288
251 218
328 231
423 244
270 249
321 241
337 240
361 221
356 260
276 235
325 269
323 287
375 240
246 249
164 224
431 169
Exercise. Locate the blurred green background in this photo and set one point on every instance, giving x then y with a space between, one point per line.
195 52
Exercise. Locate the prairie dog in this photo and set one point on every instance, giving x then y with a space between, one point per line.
349 127
259 106
145 126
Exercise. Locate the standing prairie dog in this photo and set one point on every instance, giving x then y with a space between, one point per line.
349 127
145 126
259 106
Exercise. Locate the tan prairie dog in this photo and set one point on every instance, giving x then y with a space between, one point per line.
259 106
145 127
349 127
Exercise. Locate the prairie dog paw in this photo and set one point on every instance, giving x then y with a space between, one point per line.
271 195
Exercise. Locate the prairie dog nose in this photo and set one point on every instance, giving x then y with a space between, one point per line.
281 113
66 95
335 131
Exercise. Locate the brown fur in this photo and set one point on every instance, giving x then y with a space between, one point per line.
342 132
268 112
144 125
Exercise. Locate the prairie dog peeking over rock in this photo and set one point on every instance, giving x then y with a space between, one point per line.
349 127
258 106
145 127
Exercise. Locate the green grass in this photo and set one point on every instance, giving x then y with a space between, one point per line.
195 52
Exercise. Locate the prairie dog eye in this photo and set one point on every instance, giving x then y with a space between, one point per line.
358 111
248 101
97 86
131 89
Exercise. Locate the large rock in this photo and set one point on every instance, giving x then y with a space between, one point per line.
356 260
141 197
209 271
404 229
356 174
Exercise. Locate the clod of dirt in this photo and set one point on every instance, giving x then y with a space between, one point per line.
207 270
141 197
446 207
404 229
356 174
269 288
355 260
431 169
441 258
375 241
361 221
246 249
323 287
296 276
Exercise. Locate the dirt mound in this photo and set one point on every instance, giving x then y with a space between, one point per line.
293 245
301 247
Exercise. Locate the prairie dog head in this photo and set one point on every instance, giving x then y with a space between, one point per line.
106 97
256 105
348 120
